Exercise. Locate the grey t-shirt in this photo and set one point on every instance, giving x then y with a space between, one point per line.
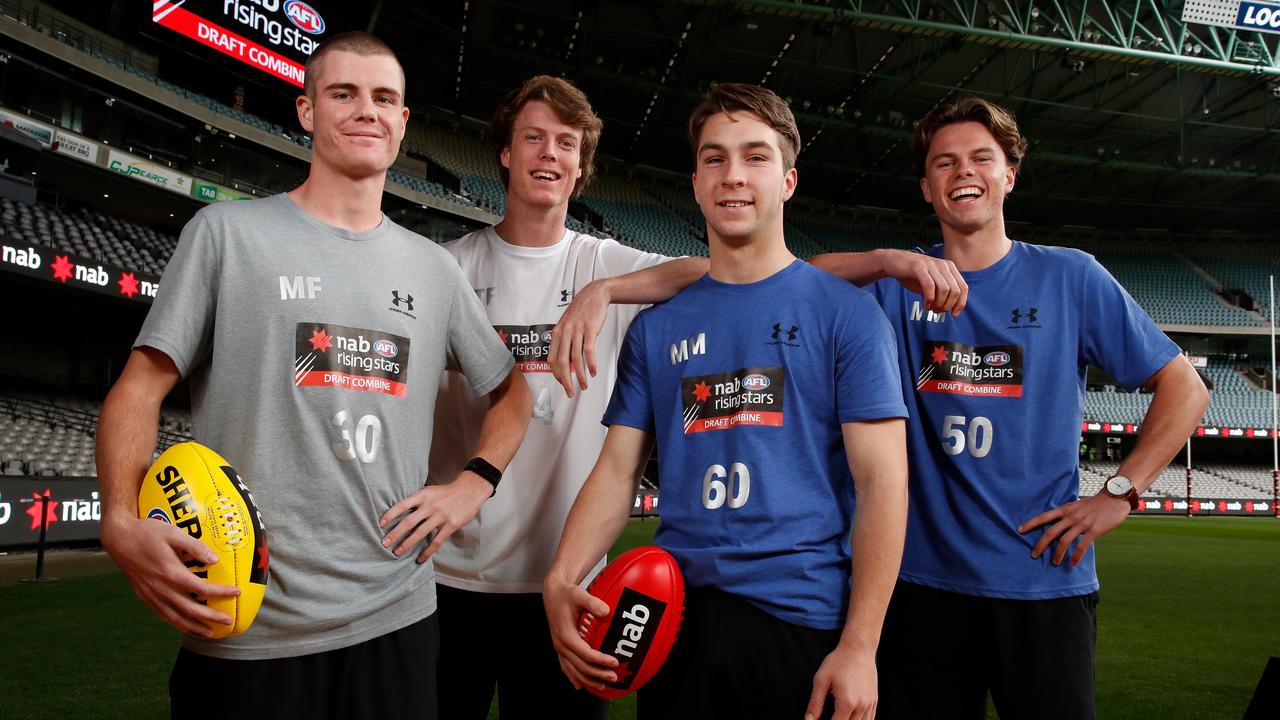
315 355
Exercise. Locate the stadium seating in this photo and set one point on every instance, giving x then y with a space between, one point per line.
88 234
42 435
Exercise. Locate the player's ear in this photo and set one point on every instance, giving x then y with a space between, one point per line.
1010 176
924 190
306 110
789 182
505 157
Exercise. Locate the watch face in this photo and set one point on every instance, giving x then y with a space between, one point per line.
1119 485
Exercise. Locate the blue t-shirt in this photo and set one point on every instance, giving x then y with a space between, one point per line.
997 398
745 387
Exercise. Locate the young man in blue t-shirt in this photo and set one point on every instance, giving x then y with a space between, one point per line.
998 590
772 391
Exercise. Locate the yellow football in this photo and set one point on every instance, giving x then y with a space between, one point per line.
193 488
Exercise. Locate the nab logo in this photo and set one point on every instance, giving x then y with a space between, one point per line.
397 300
681 351
299 287
304 16
917 313
1016 317
566 296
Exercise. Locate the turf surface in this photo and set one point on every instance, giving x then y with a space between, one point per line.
1187 621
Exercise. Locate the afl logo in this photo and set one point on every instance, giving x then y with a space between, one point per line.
385 348
158 514
996 359
755 382
546 337
304 16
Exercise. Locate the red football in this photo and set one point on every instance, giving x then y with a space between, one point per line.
645 594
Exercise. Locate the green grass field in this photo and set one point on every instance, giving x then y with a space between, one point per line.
1188 618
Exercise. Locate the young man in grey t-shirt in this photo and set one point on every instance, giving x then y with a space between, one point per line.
314 332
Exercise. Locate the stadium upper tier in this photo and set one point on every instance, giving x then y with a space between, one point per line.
1233 400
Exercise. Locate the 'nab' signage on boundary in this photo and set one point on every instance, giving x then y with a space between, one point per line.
1238 14
275 36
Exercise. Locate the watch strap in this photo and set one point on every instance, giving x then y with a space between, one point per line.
486 470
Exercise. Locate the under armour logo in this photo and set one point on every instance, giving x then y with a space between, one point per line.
1017 316
791 334
407 300
565 295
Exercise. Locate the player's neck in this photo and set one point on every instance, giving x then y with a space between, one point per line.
532 226
349 203
739 262
977 250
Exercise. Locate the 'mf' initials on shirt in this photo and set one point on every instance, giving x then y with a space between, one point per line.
681 351
299 287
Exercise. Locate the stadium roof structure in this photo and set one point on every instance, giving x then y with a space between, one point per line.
1136 119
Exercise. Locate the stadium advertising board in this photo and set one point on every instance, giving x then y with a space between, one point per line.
208 192
39 132
148 172
73 510
274 36
75 146
1095 426
1204 506
87 274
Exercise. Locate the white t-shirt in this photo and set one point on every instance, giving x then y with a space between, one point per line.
510 545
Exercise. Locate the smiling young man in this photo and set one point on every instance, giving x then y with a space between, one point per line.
771 389
269 307
526 270
998 591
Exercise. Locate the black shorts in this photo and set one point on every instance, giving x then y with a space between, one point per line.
942 652
502 641
732 660
391 676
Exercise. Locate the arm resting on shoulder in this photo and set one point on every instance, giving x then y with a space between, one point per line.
937 280
573 340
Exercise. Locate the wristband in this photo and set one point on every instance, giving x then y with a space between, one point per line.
484 469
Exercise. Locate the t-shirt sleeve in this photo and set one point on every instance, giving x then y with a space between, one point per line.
475 350
618 259
1119 336
631 403
180 322
867 383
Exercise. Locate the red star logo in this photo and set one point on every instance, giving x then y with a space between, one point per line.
502 334
62 268
1168 505
128 284
264 557
623 672
50 513
1195 506
1248 507
1222 506
939 355
701 391
320 341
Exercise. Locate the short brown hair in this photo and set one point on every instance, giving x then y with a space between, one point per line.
359 43
998 121
729 98
568 103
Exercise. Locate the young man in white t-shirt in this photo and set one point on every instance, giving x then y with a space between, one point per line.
526 270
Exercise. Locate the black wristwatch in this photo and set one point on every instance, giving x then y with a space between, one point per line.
484 469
